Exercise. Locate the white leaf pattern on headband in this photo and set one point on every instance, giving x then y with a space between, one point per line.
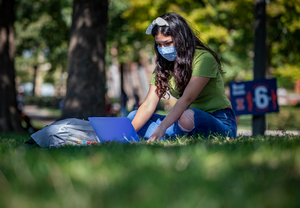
158 21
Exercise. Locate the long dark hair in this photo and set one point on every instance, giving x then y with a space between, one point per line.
186 42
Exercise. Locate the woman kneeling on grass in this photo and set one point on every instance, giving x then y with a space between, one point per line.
191 72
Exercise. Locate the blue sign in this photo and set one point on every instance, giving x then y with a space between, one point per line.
254 97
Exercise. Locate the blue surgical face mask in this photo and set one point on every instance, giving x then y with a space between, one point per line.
168 53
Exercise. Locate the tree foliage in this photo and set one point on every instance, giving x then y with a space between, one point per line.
226 26
42 34
283 40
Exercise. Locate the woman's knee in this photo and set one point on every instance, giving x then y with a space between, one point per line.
132 114
186 121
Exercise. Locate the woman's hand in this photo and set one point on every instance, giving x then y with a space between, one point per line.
157 134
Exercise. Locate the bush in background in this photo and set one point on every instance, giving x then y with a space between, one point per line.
287 119
50 102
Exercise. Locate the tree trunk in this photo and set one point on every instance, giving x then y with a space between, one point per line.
86 60
35 68
10 116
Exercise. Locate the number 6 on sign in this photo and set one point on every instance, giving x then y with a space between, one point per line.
258 96
261 97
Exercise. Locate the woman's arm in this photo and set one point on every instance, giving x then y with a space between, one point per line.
192 90
146 110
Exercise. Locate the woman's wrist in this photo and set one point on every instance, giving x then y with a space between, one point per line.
162 128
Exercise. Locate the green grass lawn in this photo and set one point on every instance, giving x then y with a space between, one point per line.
187 172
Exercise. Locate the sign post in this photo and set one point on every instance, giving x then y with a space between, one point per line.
259 121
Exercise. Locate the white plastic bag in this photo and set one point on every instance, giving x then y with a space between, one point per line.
69 131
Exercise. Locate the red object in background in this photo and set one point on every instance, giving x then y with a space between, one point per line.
274 99
249 100
297 86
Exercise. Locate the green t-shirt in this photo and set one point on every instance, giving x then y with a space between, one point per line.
212 97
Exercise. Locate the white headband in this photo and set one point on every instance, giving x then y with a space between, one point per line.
158 21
